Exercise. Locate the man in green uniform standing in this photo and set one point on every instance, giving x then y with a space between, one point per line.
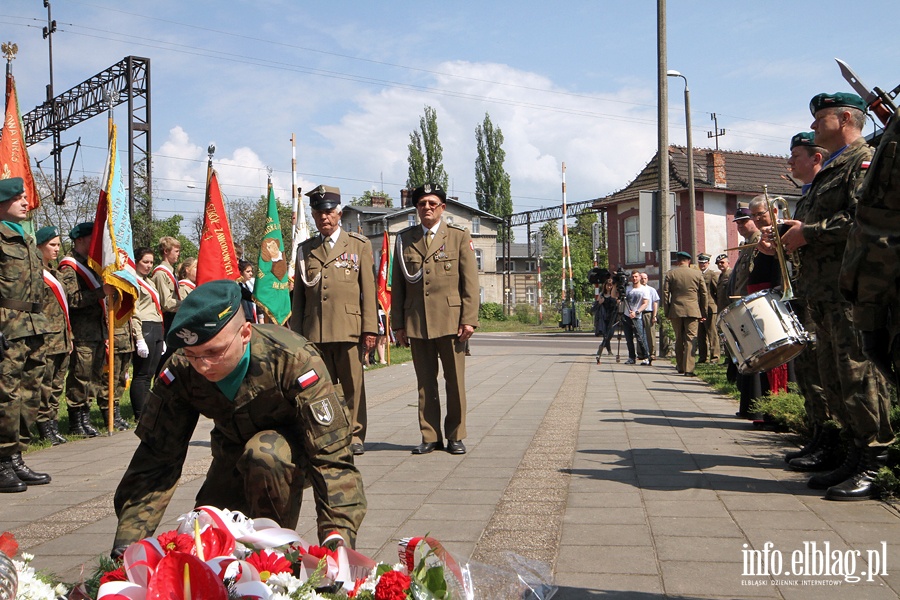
708 335
684 300
435 302
278 424
22 328
334 302
819 233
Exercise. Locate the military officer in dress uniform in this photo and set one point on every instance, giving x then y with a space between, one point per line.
685 300
435 303
22 328
334 303
708 336
279 424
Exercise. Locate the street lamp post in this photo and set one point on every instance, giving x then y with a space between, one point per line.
690 161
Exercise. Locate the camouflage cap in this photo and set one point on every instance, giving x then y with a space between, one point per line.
741 214
820 101
204 313
324 197
721 257
10 188
804 138
427 189
82 230
703 258
45 234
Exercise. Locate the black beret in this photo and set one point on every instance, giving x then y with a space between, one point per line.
428 189
10 188
204 313
721 257
324 197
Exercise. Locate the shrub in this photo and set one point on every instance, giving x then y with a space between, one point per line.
525 313
491 311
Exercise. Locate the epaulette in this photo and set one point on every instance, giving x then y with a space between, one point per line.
455 226
358 236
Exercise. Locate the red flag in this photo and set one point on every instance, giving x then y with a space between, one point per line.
216 258
384 275
13 154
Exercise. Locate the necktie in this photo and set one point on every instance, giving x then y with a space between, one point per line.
428 235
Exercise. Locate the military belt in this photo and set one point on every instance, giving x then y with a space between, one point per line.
32 307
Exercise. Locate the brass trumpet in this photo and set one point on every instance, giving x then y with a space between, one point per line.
779 246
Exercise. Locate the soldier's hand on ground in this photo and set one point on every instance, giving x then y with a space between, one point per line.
465 332
142 349
793 238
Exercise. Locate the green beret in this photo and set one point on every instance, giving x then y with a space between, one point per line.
428 189
703 258
204 313
324 197
682 255
45 234
10 188
820 101
804 138
82 230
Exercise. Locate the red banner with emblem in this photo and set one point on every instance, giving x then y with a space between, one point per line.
216 258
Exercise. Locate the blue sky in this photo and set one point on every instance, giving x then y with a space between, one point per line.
571 82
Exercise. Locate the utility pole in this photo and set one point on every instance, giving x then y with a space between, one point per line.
663 152
716 132
57 193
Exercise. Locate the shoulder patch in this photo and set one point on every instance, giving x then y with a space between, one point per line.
322 411
358 236
167 377
307 379
865 164
455 226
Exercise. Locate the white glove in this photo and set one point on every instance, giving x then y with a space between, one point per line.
163 347
142 350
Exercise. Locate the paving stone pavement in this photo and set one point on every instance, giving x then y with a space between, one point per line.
628 481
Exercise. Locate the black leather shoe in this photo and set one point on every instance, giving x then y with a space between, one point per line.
689 374
456 447
861 485
428 447
848 468
9 482
357 449
25 474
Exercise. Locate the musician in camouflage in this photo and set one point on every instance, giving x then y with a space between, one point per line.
278 424
22 327
819 234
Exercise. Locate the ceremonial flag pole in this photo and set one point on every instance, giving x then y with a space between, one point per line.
272 288
14 160
216 258
300 231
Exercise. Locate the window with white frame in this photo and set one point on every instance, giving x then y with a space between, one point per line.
476 224
410 219
479 262
632 240
530 295
531 266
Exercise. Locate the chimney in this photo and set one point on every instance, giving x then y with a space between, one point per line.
715 169
379 200
404 198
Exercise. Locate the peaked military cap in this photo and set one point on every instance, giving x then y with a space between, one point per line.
428 189
820 101
204 313
741 214
682 255
804 138
45 234
81 230
324 197
703 258
10 188
721 257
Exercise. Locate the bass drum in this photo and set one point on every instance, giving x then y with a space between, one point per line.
761 332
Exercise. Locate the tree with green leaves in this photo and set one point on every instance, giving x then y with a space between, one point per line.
368 196
582 252
426 156
491 179
247 218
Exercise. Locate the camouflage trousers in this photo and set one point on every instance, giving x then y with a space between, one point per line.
88 376
855 390
21 373
806 369
52 386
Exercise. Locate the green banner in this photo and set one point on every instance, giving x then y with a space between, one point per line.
272 288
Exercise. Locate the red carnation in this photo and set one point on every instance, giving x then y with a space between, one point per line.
8 544
393 585
269 564
172 541
114 575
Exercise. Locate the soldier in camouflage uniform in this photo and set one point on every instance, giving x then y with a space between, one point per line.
819 233
22 327
278 424
85 293
123 342
870 273
57 339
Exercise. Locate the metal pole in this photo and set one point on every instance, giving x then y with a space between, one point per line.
663 150
690 161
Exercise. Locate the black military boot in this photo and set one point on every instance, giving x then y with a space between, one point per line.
9 482
60 439
823 481
25 474
81 422
75 427
46 432
860 485
118 421
825 457
808 448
